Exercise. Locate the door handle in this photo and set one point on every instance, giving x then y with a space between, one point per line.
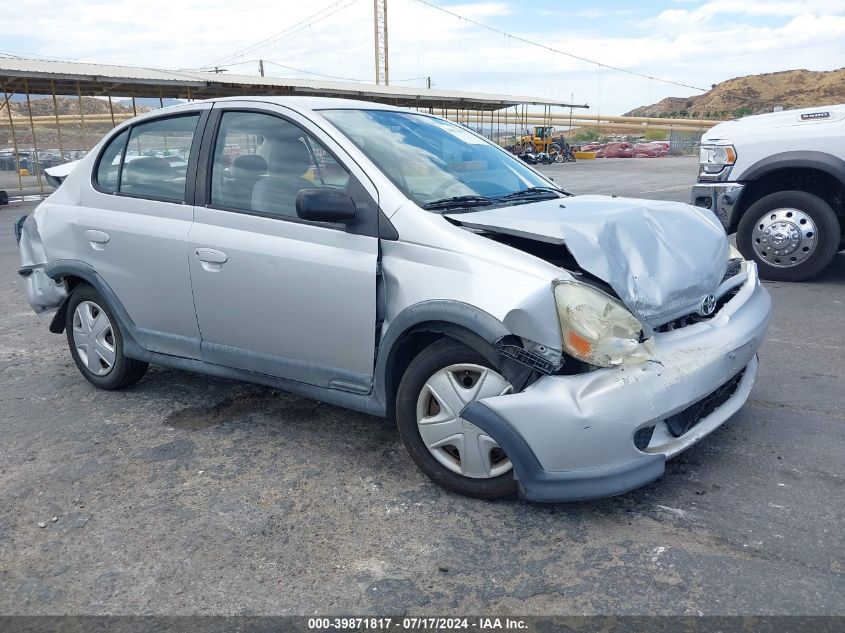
97 239
211 259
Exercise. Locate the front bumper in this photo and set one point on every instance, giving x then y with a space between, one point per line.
721 198
572 437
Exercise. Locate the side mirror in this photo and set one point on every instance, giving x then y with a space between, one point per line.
325 205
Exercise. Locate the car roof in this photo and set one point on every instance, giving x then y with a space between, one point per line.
300 104
294 102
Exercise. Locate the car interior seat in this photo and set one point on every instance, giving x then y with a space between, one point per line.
289 160
151 176
245 172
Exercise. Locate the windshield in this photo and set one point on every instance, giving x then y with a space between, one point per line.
437 163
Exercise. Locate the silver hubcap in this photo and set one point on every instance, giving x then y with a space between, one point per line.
460 446
93 338
784 237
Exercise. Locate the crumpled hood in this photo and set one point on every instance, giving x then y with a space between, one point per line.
661 258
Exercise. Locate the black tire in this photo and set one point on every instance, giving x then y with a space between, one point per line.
442 353
827 234
124 371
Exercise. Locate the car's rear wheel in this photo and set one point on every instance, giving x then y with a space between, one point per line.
96 343
792 235
459 456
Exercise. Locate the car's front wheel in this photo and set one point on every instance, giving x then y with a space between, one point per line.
459 456
792 235
96 343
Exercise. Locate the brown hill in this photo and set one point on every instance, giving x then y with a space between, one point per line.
69 105
755 94
74 135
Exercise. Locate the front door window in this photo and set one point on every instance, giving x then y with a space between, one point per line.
262 162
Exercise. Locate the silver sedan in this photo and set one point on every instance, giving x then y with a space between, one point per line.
388 261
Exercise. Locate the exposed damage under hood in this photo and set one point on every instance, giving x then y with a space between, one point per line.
660 258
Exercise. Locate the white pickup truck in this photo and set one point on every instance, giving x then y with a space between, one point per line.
778 181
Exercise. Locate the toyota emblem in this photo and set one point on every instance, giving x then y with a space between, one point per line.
708 305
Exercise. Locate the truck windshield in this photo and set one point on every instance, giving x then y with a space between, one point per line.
439 164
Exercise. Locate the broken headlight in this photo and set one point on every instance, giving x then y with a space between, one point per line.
596 328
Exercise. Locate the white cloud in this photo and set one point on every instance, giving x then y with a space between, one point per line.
709 11
699 46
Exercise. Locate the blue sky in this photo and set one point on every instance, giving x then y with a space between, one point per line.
694 42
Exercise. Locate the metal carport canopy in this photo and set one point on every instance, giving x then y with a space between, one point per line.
70 78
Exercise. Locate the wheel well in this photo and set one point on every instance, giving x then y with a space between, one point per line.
405 350
416 339
57 325
72 281
806 179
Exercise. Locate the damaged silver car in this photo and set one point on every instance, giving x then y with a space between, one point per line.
524 339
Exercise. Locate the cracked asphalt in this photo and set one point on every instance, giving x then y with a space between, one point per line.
187 494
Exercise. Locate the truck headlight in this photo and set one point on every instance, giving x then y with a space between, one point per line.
714 158
596 328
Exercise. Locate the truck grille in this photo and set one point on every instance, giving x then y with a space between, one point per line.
683 421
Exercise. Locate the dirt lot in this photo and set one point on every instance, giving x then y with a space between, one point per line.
189 494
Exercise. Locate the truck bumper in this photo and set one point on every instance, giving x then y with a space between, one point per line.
611 430
721 198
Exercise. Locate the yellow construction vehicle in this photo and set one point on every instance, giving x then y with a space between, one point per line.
542 142
539 141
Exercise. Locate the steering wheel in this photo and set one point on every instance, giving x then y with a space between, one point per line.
478 187
440 192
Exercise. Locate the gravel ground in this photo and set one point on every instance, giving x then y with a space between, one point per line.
188 494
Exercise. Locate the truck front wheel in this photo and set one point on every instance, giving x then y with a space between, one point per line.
792 235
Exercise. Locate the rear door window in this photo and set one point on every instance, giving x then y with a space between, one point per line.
156 158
